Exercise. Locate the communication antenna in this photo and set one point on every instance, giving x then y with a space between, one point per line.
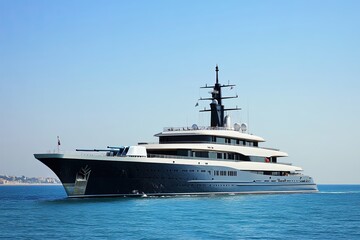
217 108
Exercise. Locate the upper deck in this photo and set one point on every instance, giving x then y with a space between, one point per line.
222 132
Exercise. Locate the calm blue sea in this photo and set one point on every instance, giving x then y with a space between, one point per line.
44 212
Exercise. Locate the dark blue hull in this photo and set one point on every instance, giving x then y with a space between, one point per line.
87 178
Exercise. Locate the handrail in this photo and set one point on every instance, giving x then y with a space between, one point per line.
170 129
151 155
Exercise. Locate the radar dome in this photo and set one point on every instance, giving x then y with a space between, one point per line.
195 127
237 127
243 127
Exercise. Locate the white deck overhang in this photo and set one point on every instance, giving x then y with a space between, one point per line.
244 150
217 133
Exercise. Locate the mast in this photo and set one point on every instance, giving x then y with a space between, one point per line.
216 108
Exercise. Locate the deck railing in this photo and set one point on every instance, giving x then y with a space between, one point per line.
170 129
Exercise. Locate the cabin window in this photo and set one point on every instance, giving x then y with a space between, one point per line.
182 152
212 155
193 138
232 173
257 159
202 154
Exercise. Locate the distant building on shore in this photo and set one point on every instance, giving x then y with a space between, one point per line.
3 181
15 180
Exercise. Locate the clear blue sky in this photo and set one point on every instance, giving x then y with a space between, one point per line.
101 73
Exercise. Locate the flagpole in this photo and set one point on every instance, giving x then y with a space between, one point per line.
58 144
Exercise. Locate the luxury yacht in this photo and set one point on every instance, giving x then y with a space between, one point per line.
218 159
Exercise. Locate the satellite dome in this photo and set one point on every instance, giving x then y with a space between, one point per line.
237 127
243 127
195 127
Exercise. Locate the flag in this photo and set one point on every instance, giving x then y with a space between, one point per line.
58 141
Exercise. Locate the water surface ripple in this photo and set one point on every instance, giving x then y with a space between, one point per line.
44 212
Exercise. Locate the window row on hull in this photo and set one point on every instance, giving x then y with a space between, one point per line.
225 173
217 172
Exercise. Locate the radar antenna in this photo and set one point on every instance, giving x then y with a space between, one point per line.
216 107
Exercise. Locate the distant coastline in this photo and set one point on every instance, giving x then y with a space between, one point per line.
6 180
